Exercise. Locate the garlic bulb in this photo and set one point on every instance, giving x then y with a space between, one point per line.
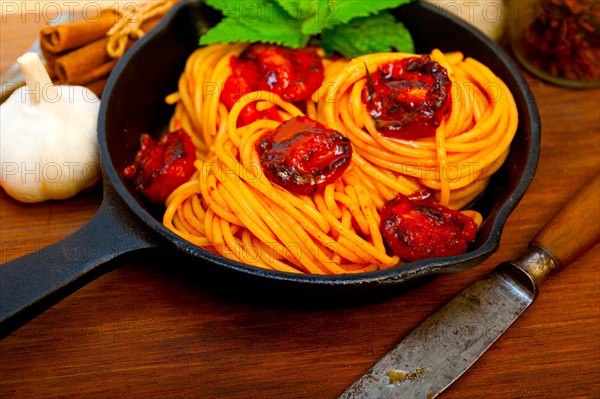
48 143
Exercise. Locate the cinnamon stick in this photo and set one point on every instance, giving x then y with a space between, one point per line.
84 65
90 62
60 38
50 59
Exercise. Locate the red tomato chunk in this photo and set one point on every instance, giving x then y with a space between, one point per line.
304 156
418 227
407 99
162 165
292 74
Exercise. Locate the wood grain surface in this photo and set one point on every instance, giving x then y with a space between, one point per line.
155 330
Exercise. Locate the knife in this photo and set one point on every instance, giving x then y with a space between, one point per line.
441 349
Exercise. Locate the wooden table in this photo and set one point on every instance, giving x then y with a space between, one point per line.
146 330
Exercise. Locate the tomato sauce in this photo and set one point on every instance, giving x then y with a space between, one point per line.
293 74
304 156
408 98
162 165
418 227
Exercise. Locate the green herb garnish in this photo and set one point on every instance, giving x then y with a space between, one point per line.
378 33
348 27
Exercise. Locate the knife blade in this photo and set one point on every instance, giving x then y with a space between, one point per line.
445 345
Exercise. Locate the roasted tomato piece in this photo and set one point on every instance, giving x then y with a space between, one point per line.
241 82
304 156
408 98
162 165
236 86
418 227
250 114
292 74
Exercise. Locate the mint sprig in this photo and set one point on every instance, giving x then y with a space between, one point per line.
342 25
257 21
378 33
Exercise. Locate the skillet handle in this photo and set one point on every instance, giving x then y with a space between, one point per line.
34 282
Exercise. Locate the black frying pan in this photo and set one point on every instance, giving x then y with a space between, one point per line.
126 225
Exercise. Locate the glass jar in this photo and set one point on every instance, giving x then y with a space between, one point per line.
557 40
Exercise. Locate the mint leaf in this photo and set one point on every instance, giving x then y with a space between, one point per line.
312 13
258 21
374 34
228 31
339 12
302 9
345 10
291 23
315 23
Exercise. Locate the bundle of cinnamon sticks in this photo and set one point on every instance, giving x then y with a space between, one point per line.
76 52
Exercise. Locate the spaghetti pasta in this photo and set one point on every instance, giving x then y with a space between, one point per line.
231 208
471 143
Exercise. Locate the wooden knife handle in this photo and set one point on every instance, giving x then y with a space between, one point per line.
575 228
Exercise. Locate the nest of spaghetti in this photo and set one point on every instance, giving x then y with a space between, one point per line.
369 167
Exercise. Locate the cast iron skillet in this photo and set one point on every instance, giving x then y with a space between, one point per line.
126 225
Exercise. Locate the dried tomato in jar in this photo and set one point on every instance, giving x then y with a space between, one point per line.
558 40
